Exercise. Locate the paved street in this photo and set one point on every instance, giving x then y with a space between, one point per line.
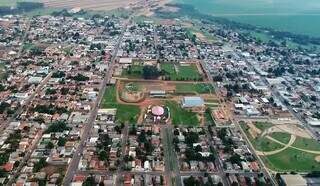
73 166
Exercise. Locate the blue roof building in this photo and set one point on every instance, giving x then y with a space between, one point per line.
189 102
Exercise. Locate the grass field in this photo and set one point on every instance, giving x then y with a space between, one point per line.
125 113
260 143
180 116
281 136
135 72
289 159
208 118
200 88
309 144
181 72
263 125
292 160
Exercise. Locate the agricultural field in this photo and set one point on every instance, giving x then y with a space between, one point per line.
180 116
281 145
125 113
181 72
197 88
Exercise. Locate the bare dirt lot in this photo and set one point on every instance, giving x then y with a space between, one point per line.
89 4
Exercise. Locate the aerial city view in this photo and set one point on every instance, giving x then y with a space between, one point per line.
160 92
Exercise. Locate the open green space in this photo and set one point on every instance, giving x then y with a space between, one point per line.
178 72
281 136
264 144
132 87
125 113
307 144
208 118
260 143
180 116
263 125
200 88
289 159
133 71
292 160
195 29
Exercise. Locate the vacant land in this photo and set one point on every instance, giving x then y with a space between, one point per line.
181 72
180 116
199 88
125 113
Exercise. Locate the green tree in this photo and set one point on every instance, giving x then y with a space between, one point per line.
89 181
50 145
150 72
61 141
103 156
